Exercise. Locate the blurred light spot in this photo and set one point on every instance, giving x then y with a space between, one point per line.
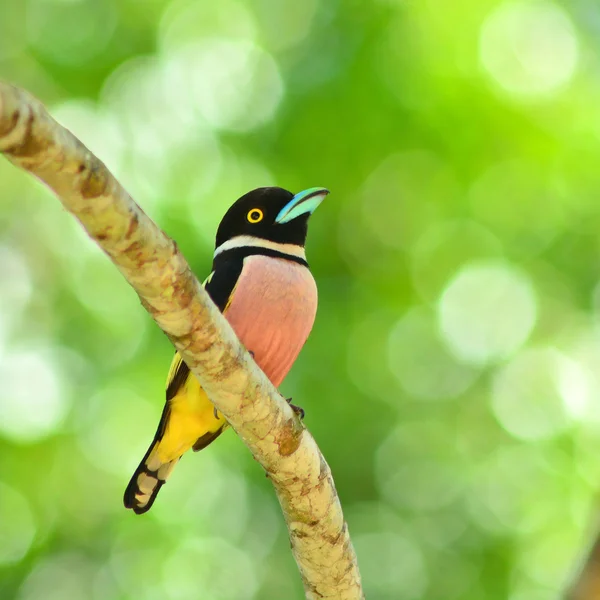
522 204
532 591
3 335
101 288
374 517
420 361
168 106
137 559
487 312
235 85
145 174
539 393
151 122
264 524
421 484
202 182
361 251
187 496
529 47
444 248
207 565
209 200
59 577
186 21
13 36
441 529
105 585
95 127
573 385
507 485
404 195
596 303
162 127
286 23
15 284
152 100
547 557
33 401
463 572
116 429
416 467
70 32
59 233
368 367
17 527
584 348
392 566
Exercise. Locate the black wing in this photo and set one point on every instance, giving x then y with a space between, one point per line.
220 285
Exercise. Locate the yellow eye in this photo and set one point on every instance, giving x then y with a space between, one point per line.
255 215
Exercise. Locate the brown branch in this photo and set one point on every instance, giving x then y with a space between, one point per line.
151 262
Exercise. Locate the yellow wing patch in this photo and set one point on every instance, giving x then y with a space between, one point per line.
191 417
207 280
230 297
173 368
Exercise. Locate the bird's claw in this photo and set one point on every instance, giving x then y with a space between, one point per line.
297 409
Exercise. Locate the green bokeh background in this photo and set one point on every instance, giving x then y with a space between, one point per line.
451 379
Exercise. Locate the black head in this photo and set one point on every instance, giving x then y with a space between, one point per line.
271 213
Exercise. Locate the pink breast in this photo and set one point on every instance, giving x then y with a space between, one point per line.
272 312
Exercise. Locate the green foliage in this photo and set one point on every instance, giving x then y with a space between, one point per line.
451 379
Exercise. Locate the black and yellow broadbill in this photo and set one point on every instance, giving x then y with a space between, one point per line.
261 282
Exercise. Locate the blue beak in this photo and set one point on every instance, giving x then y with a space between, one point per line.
301 204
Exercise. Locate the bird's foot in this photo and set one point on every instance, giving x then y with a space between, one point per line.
297 409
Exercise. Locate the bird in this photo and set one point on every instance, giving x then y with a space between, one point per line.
261 282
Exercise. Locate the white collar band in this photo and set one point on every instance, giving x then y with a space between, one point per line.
245 241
